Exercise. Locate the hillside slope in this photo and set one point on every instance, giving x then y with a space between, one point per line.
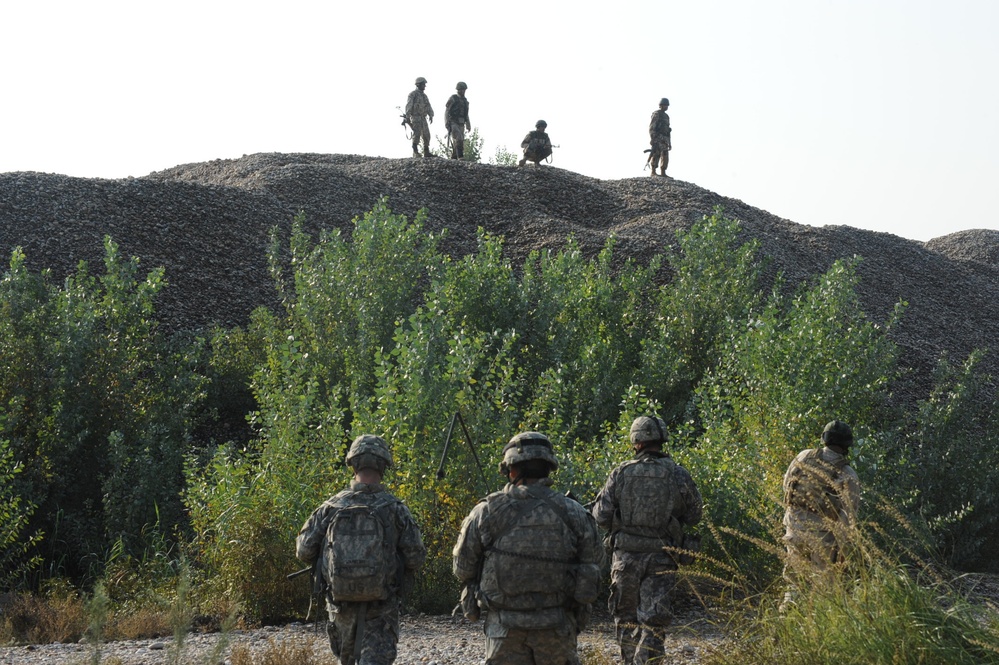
208 225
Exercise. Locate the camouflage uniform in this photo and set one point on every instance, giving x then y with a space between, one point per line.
417 110
822 494
537 146
644 505
531 619
456 113
659 135
381 627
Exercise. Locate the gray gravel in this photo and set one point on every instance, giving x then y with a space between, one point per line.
424 640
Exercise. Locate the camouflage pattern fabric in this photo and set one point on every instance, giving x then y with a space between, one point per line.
418 109
519 646
524 627
457 114
381 633
402 536
537 146
639 601
814 535
641 573
659 135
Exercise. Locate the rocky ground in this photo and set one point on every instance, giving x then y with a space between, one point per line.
424 640
207 224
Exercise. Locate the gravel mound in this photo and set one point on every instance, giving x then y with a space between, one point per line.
207 224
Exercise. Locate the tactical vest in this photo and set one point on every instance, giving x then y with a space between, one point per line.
813 484
528 564
647 498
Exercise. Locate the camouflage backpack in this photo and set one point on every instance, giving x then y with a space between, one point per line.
812 484
358 561
647 501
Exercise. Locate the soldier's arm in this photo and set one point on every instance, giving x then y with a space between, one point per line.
692 500
411 546
310 538
603 506
467 553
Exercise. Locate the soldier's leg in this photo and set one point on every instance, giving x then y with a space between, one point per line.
655 161
623 603
505 646
655 608
340 630
665 160
381 637
556 646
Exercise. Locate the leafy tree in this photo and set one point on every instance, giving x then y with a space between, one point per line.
99 406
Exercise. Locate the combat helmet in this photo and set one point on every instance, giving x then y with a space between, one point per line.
461 86
540 124
648 429
527 446
663 101
369 452
837 433
420 80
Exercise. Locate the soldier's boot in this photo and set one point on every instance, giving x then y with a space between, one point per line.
416 149
655 165
522 162
460 149
426 152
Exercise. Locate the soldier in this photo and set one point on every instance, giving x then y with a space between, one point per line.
659 133
530 558
371 548
418 110
456 117
644 505
537 146
821 496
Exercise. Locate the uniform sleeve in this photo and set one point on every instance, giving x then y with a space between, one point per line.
527 141
468 550
411 546
693 504
590 548
603 507
310 538
850 493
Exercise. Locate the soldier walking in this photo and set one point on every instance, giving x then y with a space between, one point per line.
659 133
530 558
537 146
644 505
371 548
418 111
821 497
456 117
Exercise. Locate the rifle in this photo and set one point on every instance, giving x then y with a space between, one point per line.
318 586
405 122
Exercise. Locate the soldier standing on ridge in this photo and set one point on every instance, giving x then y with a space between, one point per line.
371 548
418 110
659 133
530 558
644 505
456 117
821 497
537 146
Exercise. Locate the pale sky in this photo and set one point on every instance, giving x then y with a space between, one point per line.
878 114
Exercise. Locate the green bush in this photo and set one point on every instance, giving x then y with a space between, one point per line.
98 405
